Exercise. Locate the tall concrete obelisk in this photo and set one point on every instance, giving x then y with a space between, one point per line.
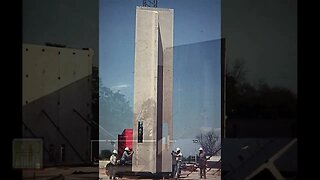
153 83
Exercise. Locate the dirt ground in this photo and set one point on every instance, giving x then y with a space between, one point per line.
212 174
72 173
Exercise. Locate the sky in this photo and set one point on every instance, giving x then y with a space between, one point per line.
264 35
68 22
196 91
196 96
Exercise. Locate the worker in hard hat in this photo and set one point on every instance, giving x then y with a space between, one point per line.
113 163
126 156
202 160
177 160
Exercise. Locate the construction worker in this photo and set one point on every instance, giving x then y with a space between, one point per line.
112 164
126 156
177 162
202 163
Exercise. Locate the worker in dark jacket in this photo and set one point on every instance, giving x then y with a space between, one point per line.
202 163
126 156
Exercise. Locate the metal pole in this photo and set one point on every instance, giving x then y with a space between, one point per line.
195 157
195 141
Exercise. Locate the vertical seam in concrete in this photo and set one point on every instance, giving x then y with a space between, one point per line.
159 104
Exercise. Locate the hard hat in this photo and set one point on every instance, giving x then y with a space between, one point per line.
114 152
200 149
178 149
126 149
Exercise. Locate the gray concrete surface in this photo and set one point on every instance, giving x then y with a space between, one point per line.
153 89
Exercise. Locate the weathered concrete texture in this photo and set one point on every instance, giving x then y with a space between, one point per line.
153 89
59 111
47 69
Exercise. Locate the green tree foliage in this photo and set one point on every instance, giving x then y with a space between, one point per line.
243 100
115 111
95 94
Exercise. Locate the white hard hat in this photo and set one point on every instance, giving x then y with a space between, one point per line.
114 152
126 149
200 149
178 149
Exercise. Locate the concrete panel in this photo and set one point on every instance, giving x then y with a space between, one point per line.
47 69
166 32
74 118
37 124
167 107
153 89
75 65
67 60
36 74
57 101
145 89
166 65
73 131
166 27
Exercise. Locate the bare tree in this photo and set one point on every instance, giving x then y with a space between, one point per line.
209 142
